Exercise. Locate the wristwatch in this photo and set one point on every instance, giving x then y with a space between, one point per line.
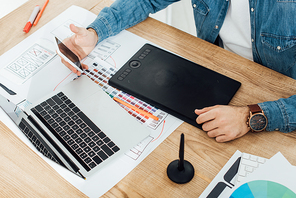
257 120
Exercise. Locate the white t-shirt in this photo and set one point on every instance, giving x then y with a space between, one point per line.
236 29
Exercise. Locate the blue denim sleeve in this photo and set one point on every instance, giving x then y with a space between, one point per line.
281 114
123 14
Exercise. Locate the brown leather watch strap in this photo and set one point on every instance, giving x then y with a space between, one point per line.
254 108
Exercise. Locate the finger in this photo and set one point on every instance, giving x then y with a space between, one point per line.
73 69
210 126
205 117
223 138
66 63
214 133
206 109
220 137
227 136
84 66
199 111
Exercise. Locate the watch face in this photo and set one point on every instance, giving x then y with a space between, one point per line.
258 122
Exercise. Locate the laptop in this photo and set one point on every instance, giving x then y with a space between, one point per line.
172 83
79 127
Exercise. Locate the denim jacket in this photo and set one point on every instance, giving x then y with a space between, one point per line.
273 34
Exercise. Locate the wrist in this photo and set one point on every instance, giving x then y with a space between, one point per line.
94 33
246 117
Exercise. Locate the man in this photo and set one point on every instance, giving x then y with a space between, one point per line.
262 30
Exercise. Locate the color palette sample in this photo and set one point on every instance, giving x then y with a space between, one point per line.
263 189
100 75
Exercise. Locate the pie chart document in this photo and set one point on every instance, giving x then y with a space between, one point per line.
274 179
263 188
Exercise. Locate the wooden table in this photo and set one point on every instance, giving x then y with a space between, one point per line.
149 179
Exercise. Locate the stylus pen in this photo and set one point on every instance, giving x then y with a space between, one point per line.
136 109
40 13
31 19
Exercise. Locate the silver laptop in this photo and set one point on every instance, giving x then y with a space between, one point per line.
80 127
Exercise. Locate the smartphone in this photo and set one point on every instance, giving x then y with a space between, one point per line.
68 55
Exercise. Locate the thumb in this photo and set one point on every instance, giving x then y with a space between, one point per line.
76 30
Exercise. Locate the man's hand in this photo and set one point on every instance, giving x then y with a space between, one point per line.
81 43
224 123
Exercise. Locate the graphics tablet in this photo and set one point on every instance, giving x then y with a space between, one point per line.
172 83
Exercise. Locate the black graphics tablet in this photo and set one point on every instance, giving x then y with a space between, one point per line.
172 83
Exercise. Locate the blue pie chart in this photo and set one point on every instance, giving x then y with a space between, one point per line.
263 189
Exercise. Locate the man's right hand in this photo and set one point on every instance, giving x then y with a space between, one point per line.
81 43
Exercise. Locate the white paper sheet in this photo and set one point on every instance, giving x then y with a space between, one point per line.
276 169
55 74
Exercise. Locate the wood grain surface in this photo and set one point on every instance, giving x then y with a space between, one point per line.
149 179
25 174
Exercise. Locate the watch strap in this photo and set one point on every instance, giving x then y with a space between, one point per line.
255 108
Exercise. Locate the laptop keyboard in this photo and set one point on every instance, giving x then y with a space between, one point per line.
83 139
38 142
